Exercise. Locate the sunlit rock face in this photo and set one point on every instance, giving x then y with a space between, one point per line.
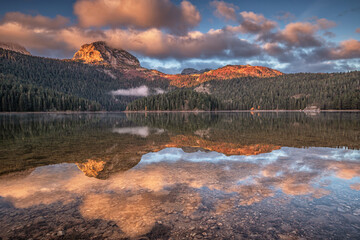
226 148
193 78
14 47
100 53
188 71
235 71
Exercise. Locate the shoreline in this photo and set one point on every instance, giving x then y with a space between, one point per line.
189 111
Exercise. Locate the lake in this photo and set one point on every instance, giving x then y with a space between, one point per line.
180 176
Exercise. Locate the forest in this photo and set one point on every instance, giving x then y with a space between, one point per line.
181 99
289 91
30 83
93 83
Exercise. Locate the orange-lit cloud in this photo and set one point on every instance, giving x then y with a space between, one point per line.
225 10
151 36
142 14
37 21
346 49
355 186
253 23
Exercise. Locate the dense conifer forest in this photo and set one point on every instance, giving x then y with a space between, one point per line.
30 83
183 99
69 78
289 91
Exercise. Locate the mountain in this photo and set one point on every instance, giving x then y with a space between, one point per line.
29 83
188 71
104 78
99 53
14 47
236 71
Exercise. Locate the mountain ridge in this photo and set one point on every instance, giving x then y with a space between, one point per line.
27 82
14 47
100 53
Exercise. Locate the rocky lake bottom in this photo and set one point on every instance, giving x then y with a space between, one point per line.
180 176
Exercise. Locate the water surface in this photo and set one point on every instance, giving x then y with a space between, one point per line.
180 176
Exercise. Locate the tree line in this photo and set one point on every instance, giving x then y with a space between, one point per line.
93 83
181 99
40 84
29 98
289 91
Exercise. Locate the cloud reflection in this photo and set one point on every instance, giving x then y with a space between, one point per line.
173 182
138 131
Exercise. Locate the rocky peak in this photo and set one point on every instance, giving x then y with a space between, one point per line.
99 53
189 71
14 47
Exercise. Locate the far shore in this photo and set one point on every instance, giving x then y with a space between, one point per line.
197 111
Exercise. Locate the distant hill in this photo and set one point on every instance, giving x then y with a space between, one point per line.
14 47
188 71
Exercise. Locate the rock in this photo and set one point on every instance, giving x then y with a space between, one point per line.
39 220
356 212
60 233
341 209
188 71
99 53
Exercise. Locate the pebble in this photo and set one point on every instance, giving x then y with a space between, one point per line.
60 233
341 210
356 212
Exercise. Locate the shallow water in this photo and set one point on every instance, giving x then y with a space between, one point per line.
180 176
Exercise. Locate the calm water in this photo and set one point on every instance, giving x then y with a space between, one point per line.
180 176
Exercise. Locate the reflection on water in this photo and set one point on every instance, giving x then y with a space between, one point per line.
116 176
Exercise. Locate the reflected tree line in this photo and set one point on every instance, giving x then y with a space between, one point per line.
30 140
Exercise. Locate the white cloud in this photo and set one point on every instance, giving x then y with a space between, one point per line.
142 91
139 91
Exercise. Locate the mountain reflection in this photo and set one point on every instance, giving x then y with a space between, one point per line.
149 175
173 182
31 140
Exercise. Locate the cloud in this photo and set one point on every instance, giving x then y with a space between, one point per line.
347 49
155 43
140 14
329 34
285 16
138 131
357 30
324 24
37 21
298 43
142 91
253 23
225 10
300 34
139 91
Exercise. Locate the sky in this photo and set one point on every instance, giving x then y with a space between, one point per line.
170 35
